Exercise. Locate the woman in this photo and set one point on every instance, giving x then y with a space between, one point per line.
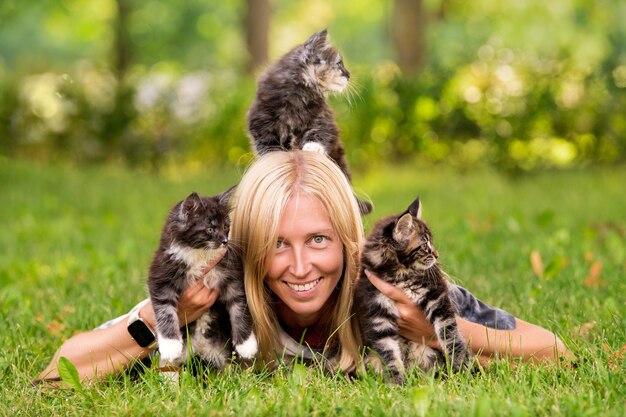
298 224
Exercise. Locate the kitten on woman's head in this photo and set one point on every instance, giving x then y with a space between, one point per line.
290 110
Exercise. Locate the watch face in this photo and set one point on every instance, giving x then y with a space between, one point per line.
141 333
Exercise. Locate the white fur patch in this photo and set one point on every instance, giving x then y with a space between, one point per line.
197 259
386 303
429 306
249 348
171 351
380 324
338 84
314 147
392 345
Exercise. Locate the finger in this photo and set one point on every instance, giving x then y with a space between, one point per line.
214 262
196 287
201 296
212 296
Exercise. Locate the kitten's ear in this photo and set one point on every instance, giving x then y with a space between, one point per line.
404 228
225 196
416 208
189 204
318 41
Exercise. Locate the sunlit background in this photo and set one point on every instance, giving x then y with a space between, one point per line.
518 85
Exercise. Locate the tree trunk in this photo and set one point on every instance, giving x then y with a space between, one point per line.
256 26
408 34
122 40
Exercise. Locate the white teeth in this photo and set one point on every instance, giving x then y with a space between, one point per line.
304 287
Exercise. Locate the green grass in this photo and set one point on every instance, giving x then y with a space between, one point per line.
75 245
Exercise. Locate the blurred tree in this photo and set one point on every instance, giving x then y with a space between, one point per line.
122 45
256 26
408 26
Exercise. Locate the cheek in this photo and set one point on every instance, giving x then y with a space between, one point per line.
275 266
331 262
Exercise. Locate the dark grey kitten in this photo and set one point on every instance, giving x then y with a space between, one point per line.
194 235
290 110
400 251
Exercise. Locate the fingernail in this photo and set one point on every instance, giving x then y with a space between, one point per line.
367 272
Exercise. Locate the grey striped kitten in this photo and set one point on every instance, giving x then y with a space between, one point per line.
196 234
400 251
290 110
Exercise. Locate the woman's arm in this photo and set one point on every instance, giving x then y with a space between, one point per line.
526 341
98 353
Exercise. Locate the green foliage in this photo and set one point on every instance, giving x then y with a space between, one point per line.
519 86
69 373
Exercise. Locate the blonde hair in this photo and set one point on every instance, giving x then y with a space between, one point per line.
259 202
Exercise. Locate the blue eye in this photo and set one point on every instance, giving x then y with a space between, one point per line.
279 243
319 239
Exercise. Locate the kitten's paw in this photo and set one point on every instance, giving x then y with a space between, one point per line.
314 147
171 351
249 348
465 361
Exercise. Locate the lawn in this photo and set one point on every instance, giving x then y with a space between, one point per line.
75 244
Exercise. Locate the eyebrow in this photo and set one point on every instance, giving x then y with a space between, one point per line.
325 231
322 231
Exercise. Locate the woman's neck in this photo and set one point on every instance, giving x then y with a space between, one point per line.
313 330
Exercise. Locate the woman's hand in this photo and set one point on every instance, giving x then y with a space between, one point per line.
412 323
192 303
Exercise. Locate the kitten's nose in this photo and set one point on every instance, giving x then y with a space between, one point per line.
435 253
345 73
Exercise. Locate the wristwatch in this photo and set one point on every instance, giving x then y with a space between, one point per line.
140 331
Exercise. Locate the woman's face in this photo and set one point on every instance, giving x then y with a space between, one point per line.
308 261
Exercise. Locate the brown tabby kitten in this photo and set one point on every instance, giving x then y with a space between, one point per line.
290 110
400 251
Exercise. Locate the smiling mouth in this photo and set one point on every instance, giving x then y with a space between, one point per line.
304 287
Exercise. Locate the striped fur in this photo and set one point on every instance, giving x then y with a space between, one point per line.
400 251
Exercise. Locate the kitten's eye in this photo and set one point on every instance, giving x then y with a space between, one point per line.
210 230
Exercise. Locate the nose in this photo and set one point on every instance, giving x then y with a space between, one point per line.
345 73
300 264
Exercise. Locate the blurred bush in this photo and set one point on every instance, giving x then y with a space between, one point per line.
514 112
520 86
